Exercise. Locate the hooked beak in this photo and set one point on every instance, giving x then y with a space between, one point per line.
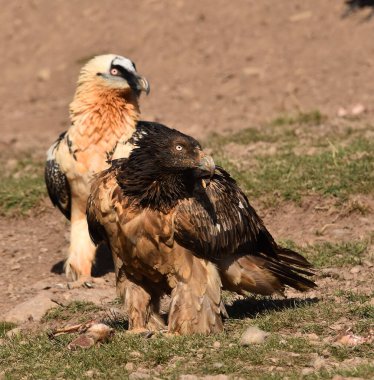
206 169
142 84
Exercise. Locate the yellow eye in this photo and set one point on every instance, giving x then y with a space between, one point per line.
114 72
179 147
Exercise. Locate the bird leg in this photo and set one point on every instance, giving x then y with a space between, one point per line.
195 301
140 305
81 251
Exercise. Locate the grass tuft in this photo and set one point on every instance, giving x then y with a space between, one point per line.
5 327
21 185
332 254
303 118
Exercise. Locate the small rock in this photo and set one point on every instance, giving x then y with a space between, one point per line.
217 365
90 373
358 109
129 367
44 75
14 332
216 345
342 112
135 354
253 335
307 371
253 71
350 340
356 269
301 16
312 336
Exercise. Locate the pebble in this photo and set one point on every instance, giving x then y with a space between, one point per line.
356 269
217 365
44 75
312 336
135 354
129 367
307 371
216 345
358 109
253 335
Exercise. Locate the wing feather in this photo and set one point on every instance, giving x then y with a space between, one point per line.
218 221
57 184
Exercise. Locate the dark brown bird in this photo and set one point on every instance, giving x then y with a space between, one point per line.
178 224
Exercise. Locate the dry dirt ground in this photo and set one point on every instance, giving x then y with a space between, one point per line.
213 66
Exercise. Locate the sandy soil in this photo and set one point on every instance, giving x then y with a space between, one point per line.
213 65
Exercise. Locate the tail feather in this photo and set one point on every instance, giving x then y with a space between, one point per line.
292 257
265 275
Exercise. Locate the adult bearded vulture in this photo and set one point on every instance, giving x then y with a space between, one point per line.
178 224
103 116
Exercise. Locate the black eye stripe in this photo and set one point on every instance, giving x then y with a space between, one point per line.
129 76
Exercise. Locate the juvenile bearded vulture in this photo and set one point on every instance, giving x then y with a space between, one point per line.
103 114
176 224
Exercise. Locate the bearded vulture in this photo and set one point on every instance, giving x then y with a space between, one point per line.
103 115
177 224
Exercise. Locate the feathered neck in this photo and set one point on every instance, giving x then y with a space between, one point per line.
150 187
102 114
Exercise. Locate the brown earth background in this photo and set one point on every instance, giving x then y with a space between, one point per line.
213 65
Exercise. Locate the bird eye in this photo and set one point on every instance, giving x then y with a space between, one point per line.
179 147
114 72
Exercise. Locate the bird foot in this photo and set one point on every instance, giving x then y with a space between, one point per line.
83 282
143 332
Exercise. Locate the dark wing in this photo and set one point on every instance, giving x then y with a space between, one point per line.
57 184
219 221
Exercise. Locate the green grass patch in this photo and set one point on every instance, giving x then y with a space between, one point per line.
21 185
35 356
5 327
295 156
336 172
332 254
302 118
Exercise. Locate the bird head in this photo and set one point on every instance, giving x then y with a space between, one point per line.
113 72
170 151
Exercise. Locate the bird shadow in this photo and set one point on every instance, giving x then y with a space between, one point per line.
103 263
250 307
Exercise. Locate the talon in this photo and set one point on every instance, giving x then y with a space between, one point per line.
81 283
